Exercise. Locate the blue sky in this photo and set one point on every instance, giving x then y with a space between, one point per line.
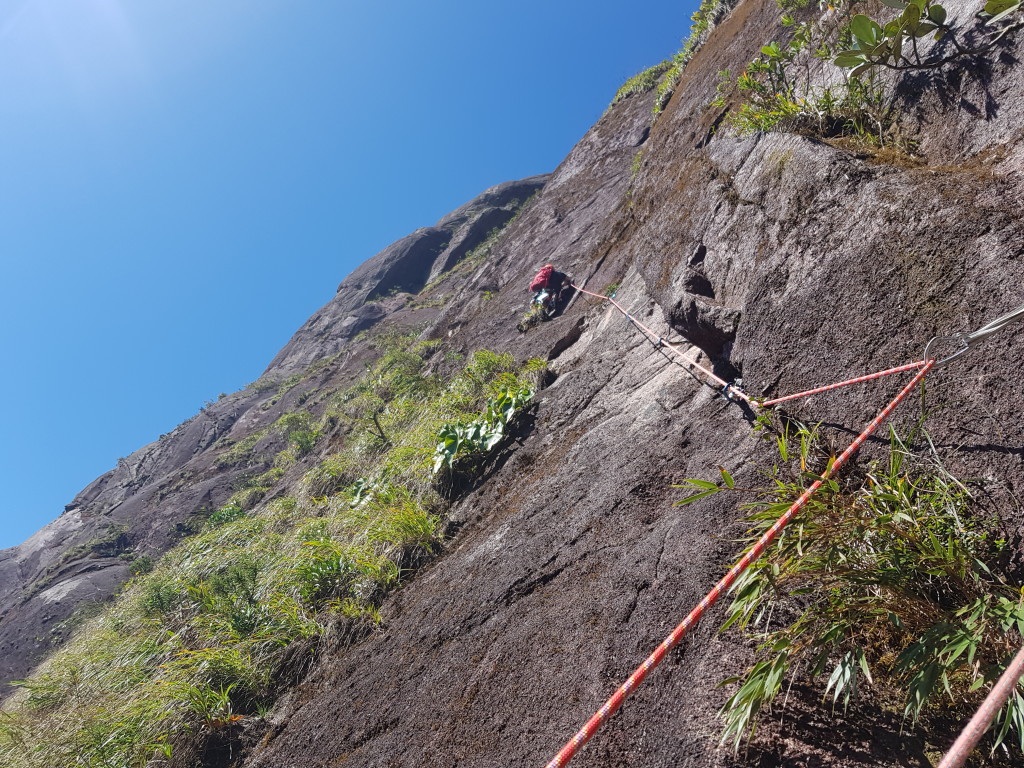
184 182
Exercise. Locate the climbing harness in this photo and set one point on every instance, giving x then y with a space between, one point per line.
1003 688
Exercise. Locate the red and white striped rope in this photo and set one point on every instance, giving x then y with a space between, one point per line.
848 382
975 729
615 702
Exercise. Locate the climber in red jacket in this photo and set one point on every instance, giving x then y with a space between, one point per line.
549 284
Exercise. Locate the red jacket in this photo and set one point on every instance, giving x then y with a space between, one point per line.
548 277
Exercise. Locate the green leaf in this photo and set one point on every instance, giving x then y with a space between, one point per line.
1004 14
881 52
864 665
937 13
694 483
866 29
995 7
729 482
696 496
849 59
910 16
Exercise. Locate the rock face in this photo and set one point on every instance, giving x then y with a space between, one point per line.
782 259
157 495
403 267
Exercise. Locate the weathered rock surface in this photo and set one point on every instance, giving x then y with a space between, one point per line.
406 266
783 259
156 495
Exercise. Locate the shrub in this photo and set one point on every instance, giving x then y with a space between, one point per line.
226 514
778 90
159 596
211 706
472 441
298 430
642 82
141 565
885 45
893 577
328 570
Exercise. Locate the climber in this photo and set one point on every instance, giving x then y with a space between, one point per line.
550 285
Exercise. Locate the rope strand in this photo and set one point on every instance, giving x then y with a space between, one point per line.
615 702
661 342
848 382
975 729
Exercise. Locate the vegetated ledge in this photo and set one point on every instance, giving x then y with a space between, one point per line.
166 489
192 655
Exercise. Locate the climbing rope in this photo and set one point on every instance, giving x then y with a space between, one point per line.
858 380
1003 688
975 729
731 389
612 705
727 387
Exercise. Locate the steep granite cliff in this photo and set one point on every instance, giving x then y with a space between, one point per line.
786 259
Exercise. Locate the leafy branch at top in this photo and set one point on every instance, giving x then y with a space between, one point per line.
481 435
894 45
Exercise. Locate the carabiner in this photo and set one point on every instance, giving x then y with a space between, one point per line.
961 337
730 390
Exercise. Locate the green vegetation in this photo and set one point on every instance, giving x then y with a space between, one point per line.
140 565
781 90
469 443
886 45
478 255
241 452
893 578
475 257
533 317
113 542
197 641
776 92
642 82
634 168
703 20
281 387
298 430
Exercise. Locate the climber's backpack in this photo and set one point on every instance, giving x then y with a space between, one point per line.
542 278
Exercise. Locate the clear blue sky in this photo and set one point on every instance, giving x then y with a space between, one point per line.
184 182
